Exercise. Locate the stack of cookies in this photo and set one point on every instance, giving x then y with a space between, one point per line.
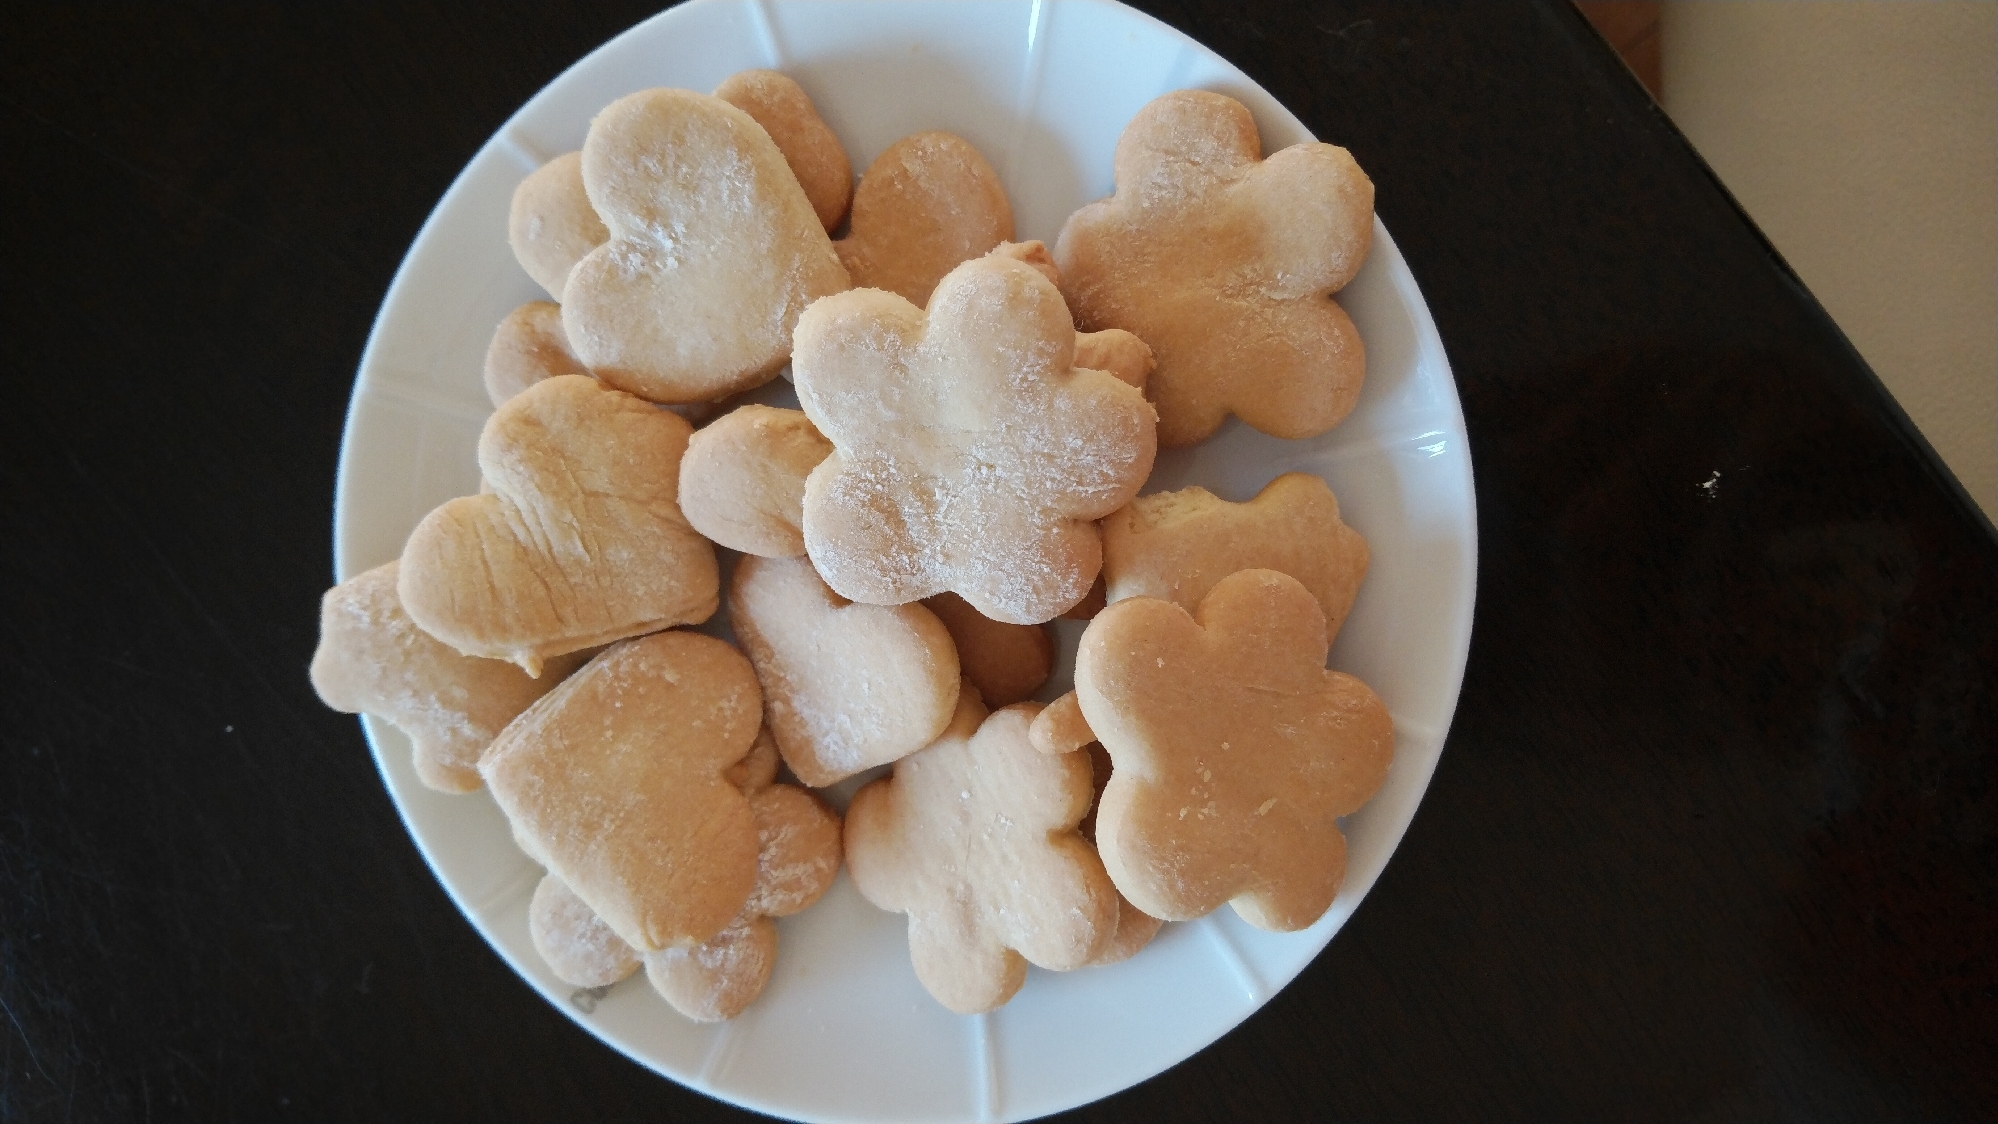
978 419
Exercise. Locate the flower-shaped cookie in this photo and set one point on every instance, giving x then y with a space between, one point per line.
970 454
975 839
582 541
714 250
1235 752
928 202
845 687
1225 264
742 482
617 783
373 659
1176 545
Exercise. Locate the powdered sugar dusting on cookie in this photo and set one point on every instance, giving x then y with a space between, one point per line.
971 455
573 940
846 687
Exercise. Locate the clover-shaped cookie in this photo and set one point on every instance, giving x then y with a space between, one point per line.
1225 264
373 659
846 687
582 541
742 482
714 250
797 857
616 783
928 202
970 454
1235 751
1176 545
975 839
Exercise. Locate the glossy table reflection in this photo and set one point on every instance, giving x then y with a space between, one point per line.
1715 834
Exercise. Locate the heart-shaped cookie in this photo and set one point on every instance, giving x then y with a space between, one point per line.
617 783
742 482
846 687
714 250
580 543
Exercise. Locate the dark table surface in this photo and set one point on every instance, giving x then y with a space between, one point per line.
1715 835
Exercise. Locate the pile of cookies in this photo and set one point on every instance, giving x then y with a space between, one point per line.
978 419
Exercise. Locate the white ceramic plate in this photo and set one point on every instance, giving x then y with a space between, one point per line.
844 1032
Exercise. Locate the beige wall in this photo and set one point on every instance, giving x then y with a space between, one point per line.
1862 137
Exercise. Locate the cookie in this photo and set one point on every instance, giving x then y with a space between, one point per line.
551 225
798 855
578 544
927 203
528 347
615 782
975 839
798 852
757 771
1235 751
1225 264
714 250
970 454
573 941
1006 662
581 541
742 482
1113 350
846 687
1135 927
1117 352
814 154
1061 728
372 659
1176 545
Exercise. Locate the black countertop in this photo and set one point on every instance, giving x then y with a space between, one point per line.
1715 834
